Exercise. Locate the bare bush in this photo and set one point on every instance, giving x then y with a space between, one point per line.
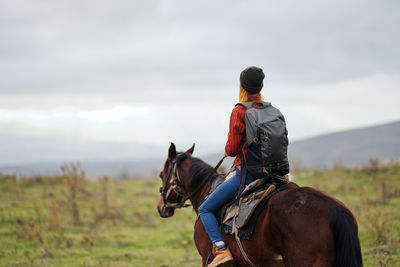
31 232
14 187
379 223
338 165
104 196
74 176
373 166
105 210
52 214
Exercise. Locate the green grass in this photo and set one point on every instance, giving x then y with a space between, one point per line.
119 224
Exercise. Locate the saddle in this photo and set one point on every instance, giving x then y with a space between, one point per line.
252 202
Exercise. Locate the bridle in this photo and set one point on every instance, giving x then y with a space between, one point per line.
173 178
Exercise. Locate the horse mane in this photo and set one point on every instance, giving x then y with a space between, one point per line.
199 170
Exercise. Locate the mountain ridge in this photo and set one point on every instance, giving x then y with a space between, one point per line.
351 148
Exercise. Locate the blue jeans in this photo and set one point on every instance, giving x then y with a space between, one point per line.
224 193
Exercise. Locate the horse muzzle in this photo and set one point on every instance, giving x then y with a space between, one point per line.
164 211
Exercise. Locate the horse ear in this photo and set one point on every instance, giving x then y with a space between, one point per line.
190 150
171 152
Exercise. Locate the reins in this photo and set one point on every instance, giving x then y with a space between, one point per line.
173 171
197 190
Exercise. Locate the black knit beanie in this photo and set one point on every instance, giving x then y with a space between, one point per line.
251 79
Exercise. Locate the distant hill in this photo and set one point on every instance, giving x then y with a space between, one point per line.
350 148
93 169
27 149
27 155
44 156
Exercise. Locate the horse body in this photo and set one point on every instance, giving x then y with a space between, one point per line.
296 228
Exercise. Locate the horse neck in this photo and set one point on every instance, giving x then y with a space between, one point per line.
188 181
199 198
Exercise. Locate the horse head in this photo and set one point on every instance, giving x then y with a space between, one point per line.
172 193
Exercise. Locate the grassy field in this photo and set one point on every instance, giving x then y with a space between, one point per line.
70 221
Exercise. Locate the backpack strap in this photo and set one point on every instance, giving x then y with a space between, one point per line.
249 105
243 174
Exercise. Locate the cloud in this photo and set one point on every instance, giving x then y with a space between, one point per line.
326 107
115 113
159 71
133 45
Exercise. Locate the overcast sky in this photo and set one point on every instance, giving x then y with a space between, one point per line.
154 71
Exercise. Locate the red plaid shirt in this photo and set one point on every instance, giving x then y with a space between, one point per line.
237 132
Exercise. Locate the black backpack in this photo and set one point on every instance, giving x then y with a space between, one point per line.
266 140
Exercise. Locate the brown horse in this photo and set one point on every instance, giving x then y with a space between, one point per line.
298 227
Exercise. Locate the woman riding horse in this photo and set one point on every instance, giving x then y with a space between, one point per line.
298 226
251 83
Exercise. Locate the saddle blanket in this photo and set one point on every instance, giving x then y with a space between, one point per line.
252 203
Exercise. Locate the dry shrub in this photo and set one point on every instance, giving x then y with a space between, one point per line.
373 166
96 215
381 254
37 211
338 165
104 195
75 177
384 260
14 187
87 241
58 238
383 192
125 174
52 213
29 231
105 210
379 223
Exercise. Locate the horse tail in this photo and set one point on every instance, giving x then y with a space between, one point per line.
346 242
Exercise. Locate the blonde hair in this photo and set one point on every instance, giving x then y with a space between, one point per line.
245 96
